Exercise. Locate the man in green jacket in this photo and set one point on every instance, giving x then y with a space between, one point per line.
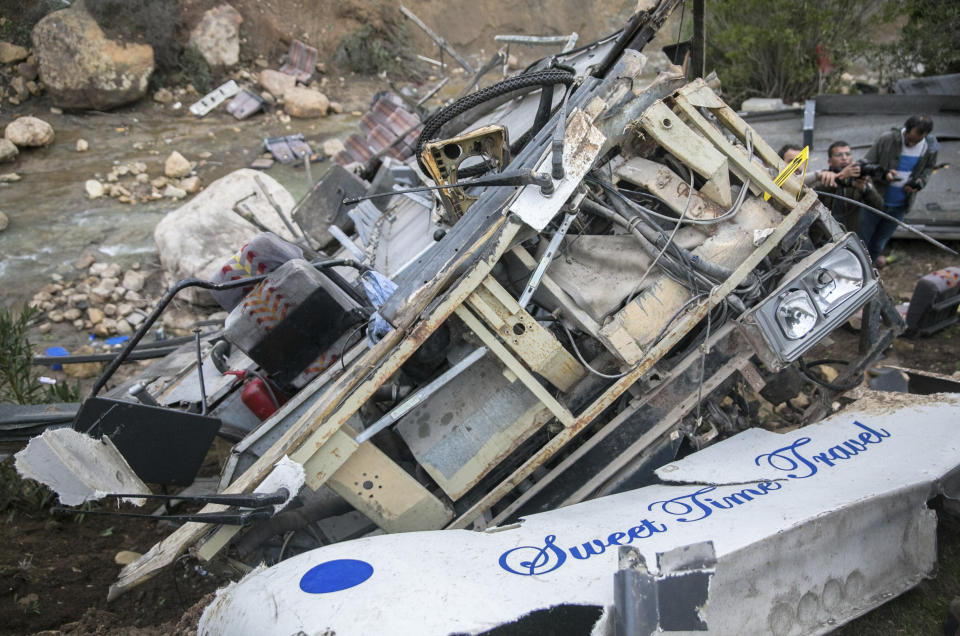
907 158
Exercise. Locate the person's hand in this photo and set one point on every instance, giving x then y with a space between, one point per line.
860 184
909 189
828 178
890 176
849 170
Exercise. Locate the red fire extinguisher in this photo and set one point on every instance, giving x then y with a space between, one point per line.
258 394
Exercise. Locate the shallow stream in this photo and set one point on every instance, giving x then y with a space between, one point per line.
53 222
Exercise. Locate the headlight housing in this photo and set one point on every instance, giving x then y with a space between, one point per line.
818 296
836 277
796 314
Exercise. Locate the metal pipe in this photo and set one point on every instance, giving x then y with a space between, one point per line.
139 391
140 354
552 248
509 178
346 242
533 39
444 46
295 232
433 91
698 48
306 168
906 226
203 388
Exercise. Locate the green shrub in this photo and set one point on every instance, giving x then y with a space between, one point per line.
379 45
193 69
18 380
364 52
928 44
19 384
767 49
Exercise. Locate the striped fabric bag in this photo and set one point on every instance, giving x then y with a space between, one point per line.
263 254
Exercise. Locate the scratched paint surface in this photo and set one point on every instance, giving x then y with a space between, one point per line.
761 485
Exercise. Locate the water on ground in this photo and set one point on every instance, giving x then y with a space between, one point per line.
53 222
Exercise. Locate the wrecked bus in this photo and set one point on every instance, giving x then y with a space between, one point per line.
583 273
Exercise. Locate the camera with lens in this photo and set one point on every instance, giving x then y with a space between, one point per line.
870 169
867 170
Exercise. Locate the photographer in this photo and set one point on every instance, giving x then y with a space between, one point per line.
846 178
907 159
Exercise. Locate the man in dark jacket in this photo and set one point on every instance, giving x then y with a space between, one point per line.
843 177
908 159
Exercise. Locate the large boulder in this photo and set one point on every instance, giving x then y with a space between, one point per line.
199 237
305 102
217 36
276 83
82 68
28 132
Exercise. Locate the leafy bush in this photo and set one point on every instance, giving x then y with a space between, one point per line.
363 52
765 49
193 69
928 44
18 380
19 384
378 44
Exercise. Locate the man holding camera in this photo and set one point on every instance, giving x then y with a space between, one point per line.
846 178
907 159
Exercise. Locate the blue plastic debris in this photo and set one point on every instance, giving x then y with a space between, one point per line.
113 341
378 288
57 352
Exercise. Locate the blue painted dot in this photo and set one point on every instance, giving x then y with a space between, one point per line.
334 576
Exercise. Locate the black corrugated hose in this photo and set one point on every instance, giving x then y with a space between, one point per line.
546 79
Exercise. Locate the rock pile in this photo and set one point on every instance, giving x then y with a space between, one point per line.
298 100
80 67
106 301
20 67
176 182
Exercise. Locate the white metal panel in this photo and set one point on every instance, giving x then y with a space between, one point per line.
836 524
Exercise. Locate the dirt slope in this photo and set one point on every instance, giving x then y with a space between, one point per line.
468 25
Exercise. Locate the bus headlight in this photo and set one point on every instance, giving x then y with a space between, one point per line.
817 296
